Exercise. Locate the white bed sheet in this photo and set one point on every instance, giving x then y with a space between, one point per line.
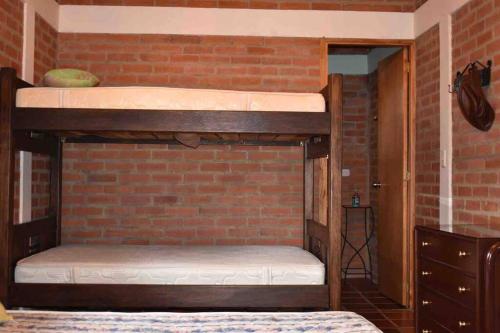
163 98
176 265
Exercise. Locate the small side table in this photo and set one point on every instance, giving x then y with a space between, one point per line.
369 230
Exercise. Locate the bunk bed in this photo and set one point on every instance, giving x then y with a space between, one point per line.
39 120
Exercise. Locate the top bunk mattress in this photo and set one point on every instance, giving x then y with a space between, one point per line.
177 265
162 98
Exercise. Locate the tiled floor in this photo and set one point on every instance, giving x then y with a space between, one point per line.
363 297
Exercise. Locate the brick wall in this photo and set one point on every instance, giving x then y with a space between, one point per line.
245 63
368 5
355 138
222 62
356 158
476 154
45 48
158 194
11 34
427 125
40 187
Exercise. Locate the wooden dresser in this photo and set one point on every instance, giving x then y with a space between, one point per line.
457 278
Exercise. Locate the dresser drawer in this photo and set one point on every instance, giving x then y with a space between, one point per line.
428 325
447 313
448 281
453 251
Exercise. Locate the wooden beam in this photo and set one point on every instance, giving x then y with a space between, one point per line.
92 120
335 190
8 84
308 193
55 203
319 149
318 231
102 296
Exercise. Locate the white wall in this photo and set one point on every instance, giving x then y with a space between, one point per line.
358 64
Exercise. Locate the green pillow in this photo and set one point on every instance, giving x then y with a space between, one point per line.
69 77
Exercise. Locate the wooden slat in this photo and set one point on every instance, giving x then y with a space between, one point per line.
44 146
55 204
308 193
91 120
319 149
335 190
318 231
169 296
8 82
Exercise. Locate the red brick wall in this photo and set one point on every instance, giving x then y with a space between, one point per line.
246 63
476 154
222 62
40 187
355 138
356 158
158 194
45 48
11 34
370 5
427 125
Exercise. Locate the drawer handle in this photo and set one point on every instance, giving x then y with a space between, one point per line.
426 331
462 254
424 244
462 324
426 273
462 290
424 302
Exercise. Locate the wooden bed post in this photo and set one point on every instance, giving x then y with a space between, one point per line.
8 84
334 190
56 187
308 192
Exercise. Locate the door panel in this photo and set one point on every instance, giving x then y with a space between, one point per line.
392 168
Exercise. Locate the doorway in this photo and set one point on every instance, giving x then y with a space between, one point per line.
377 165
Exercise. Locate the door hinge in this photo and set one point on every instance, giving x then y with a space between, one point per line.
407 65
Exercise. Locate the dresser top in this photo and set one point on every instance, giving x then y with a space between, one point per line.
470 230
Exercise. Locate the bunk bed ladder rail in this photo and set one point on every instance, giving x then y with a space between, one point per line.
18 241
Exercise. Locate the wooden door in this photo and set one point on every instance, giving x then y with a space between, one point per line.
392 171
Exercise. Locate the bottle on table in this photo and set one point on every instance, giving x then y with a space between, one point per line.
356 200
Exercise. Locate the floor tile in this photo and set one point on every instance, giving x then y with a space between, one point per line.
407 330
383 323
362 296
371 315
403 322
399 314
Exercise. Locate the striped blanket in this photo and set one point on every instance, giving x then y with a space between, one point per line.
104 322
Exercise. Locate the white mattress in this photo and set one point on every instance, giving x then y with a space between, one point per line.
143 264
161 98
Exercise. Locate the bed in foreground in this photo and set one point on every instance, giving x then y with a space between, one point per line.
69 322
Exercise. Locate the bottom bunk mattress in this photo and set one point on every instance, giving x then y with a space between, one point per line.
70 322
176 265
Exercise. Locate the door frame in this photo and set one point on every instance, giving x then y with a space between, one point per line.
410 45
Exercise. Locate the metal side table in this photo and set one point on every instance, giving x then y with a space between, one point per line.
369 225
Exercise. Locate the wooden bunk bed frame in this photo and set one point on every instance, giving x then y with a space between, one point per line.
40 130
